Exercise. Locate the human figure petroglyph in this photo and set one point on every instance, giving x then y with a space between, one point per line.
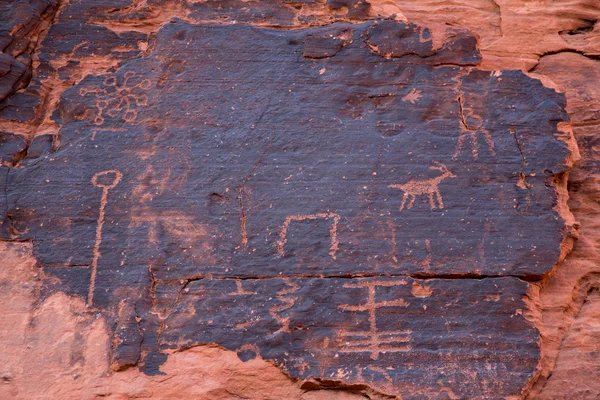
430 187
114 99
467 130
332 230
373 340
104 180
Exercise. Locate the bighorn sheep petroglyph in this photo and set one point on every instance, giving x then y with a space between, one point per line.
414 188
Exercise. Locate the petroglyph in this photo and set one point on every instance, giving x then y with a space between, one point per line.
240 291
430 187
394 245
289 303
248 348
245 324
420 290
413 96
471 132
104 180
378 370
387 382
200 177
175 226
113 99
332 230
241 190
373 340
426 262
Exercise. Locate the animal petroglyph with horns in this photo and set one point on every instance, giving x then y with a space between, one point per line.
430 187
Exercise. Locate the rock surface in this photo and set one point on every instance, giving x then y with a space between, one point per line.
360 192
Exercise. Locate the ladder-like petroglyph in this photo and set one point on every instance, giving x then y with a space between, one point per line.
429 187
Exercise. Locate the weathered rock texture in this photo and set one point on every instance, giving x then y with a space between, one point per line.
310 199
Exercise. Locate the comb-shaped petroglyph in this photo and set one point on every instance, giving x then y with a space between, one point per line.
335 219
113 99
374 341
113 177
429 187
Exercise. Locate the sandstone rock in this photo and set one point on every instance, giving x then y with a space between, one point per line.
357 200
76 348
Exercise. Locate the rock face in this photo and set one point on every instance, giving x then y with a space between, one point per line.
374 204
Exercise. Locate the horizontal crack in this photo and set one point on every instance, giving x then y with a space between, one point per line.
5 240
420 276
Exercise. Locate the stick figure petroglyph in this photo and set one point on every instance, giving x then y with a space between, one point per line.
430 187
373 340
104 180
332 230
471 129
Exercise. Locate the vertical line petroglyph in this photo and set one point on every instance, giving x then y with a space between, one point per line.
114 181
243 216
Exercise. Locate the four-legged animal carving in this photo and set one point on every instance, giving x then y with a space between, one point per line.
414 188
